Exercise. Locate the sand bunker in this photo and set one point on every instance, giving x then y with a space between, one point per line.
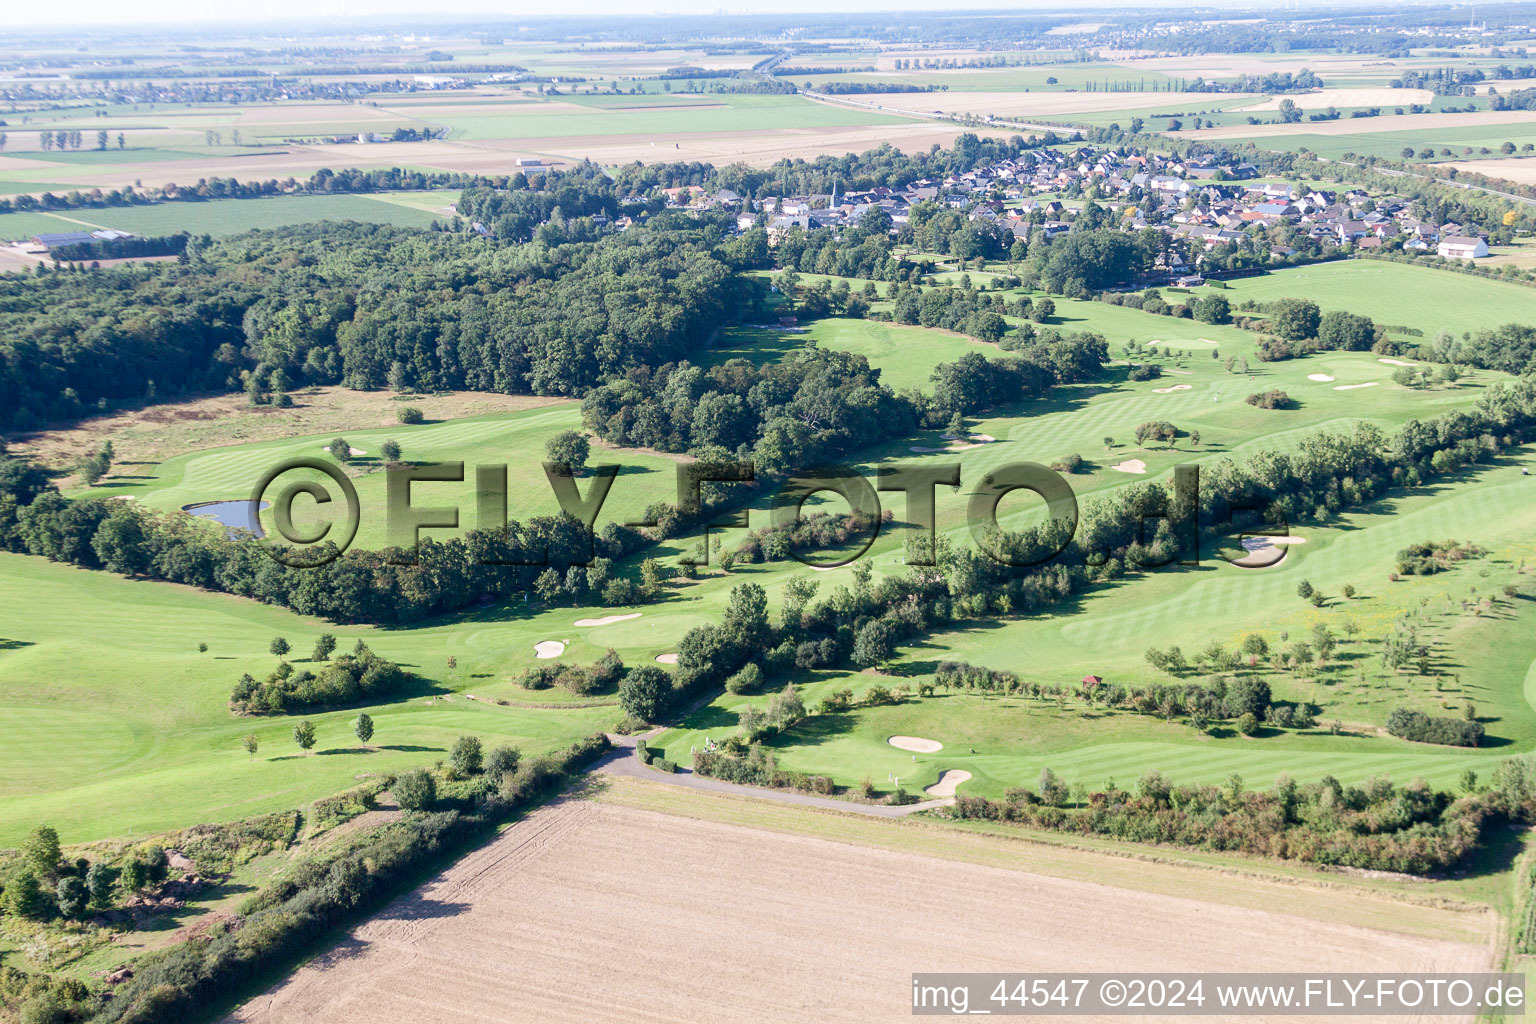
1185 341
607 620
1130 466
1395 362
1264 552
915 743
548 649
1351 387
1321 378
355 451
957 443
947 782
1173 387
667 659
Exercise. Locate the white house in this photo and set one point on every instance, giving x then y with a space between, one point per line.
1462 247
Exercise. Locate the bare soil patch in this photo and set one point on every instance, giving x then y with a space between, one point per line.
539 924
1347 98
1023 105
1521 171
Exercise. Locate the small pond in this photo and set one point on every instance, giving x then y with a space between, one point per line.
237 514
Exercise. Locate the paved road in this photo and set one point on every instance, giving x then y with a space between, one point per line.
622 761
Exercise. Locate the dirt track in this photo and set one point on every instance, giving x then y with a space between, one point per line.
588 911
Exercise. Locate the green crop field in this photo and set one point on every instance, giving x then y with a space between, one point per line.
1390 144
221 217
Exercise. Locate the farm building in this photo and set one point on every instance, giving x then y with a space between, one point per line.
66 238
1462 247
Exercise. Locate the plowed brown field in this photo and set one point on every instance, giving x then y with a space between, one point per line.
588 911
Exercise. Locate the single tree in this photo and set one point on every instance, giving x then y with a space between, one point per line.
252 744
390 451
340 450
41 851
363 728
71 894
569 450
323 647
279 646
304 734
643 693
98 879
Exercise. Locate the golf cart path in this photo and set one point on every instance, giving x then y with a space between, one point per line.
622 761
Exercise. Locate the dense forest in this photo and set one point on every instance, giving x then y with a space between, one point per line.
366 306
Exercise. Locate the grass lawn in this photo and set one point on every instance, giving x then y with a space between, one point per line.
132 728
1396 294
1005 741
127 724
513 439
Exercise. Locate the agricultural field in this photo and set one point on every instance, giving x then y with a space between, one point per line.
222 217
517 889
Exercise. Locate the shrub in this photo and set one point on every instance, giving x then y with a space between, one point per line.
501 762
748 680
1068 464
415 790
661 764
409 414
1248 723
1273 399
1421 728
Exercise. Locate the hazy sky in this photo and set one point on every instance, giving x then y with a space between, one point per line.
114 12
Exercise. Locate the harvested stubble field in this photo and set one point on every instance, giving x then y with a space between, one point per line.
818 930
